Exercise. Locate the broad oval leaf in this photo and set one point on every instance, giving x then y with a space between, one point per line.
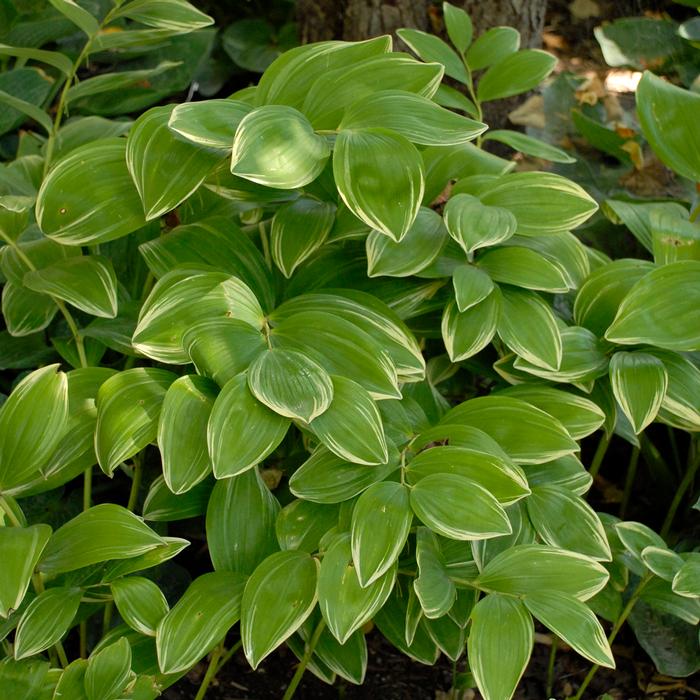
87 282
140 603
528 327
565 520
326 478
417 118
435 590
381 520
492 46
32 422
527 569
344 603
467 333
108 671
236 413
303 524
101 533
379 175
475 225
351 426
241 523
47 618
276 146
182 432
210 123
574 622
471 285
686 582
128 408
290 384
516 73
458 508
667 115
524 268
165 170
499 645
639 382
89 196
278 597
200 619
661 309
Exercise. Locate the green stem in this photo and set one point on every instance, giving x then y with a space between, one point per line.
695 212
211 671
616 628
229 655
308 653
83 639
135 483
599 454
453 689
550 666
107 617
87 488
63 659
693 464
265 243
629 481
9 512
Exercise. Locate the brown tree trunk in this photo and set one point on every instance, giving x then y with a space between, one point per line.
352 20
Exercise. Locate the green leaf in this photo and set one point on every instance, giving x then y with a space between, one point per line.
495 473
290 384
51 58
679 406
542 203
348 660
639 383
434 589
499 646
416 118
182 432
416 250
686 581
71 683
87 282
529 146
276 146
528 327
667 115
352 427
458 25
210 123
26 312
467 333
298 230
326 478
182 298
32 421
662 309
21 549
527 434
665 563
31 110
207 610
493 46
46 620
162 505
170 547
303 524
341 348
344 603
278 597
580 416
128 408
241 523
108 671
471 286
552 510
26 679
379 175
101 533
522 267
89 196
381 521
165 170
458 508
140 603
474 225
447 96
237 412
174 15
79 17
528 569
431 48
572 621
515 74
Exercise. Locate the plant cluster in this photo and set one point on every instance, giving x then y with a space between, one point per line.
320 315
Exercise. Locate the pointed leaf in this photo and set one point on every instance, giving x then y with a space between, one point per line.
474 225
210 123
515 74
493 46
530 146
303 524
467 333
431 48
524 268
471 286
108 671
140 602
435 590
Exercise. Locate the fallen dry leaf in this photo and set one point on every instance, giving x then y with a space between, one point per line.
584 9
529 113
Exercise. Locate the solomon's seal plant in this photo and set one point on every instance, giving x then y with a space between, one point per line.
255 294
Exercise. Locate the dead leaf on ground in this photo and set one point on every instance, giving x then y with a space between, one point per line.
530 113
584 9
